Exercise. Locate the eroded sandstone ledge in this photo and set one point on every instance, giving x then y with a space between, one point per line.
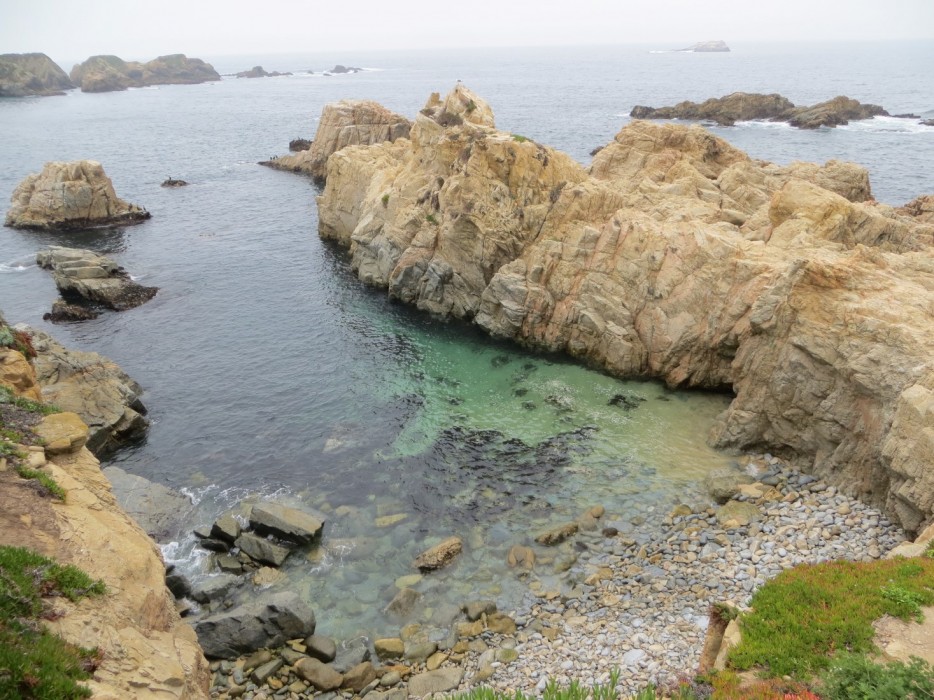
146 651
673 256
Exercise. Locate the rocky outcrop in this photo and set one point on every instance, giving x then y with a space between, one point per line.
742 106
145 650
85 275
341 69
674 256
68 196
259 72
110 73
459 106
93 387
266 622
715 46
25 74
921 208
342 124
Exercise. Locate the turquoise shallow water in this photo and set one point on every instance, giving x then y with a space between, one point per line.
270 371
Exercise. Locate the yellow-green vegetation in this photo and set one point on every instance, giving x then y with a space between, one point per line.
552 691
33 662
22 413
518 138
805 616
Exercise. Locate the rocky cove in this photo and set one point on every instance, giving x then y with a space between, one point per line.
564 603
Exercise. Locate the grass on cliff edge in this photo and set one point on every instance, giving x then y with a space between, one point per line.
17 416
807 615
33 662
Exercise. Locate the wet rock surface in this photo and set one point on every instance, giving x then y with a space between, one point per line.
96 279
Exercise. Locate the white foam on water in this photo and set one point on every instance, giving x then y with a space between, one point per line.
17 265
889 125
760 124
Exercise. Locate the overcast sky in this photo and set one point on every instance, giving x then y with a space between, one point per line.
70 30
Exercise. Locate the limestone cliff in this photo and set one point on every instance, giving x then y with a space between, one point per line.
67 196
24 74
110 73
146 651
674 256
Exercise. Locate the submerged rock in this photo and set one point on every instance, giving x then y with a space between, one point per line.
673 256
159 510
269 621
25 74
94 278
69 196
440 555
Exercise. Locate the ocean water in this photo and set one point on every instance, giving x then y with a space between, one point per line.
270 371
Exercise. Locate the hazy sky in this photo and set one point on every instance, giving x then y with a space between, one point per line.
69 30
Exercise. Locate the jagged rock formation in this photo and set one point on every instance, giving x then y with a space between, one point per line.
742 106
93 278
146 651
922 208
92 386
674 256
110 73
24 74
715 46
70 195
342 124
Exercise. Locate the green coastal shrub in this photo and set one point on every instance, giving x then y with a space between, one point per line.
858 678
806 615
33 662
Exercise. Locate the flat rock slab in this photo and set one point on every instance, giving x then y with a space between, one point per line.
262 550
286 523
441 680
158 509
737 514
900 640
95 278
63 433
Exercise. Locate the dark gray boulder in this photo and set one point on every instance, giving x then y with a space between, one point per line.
269 621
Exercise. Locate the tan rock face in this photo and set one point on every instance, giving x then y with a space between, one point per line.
146 650
17 374
342 124
62 433
440 555
92 386
72 195
674 256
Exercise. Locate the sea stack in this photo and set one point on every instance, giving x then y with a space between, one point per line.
111 73
68 196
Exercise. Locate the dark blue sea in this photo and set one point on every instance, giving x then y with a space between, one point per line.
270 371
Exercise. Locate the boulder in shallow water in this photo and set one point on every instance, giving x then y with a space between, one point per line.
269 621
440 555
262 550
93 278
557 535
285 523
158 509
71 195
63 312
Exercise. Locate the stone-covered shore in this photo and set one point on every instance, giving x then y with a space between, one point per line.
638 599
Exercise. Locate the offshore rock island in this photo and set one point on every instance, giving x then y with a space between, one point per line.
674 256
743 106
25 74
110 73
